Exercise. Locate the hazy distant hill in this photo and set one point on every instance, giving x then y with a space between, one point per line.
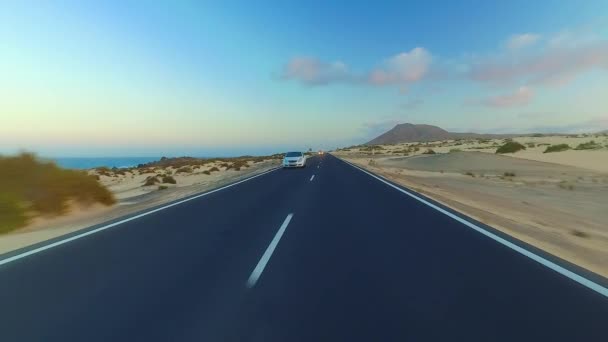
408 132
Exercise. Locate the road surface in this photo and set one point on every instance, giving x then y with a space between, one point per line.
325 253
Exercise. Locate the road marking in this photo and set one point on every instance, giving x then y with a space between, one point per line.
97 230
257 271
311 178
547 263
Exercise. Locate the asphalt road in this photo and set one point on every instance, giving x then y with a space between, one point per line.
288 257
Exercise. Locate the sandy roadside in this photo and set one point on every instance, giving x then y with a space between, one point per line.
558 208
132 197
595 159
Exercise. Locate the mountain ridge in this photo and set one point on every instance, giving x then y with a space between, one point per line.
407 132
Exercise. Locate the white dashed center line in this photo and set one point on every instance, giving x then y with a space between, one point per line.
257 271
311 178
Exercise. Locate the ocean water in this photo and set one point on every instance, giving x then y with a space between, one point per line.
88 163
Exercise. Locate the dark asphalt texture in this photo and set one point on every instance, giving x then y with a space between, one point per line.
359 261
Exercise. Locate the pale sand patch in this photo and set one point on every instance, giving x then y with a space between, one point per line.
596 160
132 198
532 206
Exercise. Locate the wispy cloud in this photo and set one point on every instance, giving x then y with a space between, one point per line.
520 41
558 61
311 71
528 60
404 68
520 97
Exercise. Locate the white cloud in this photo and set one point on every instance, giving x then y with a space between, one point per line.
404 68
312 71
520 41
520 97
559 61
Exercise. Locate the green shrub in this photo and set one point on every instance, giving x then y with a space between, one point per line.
579 233
213 169
163 187
184 169
509 174
557 148
12 213
510 147
591 145
428 151
207 172
469 173
530 145
169 180
151 180
30 187
454 150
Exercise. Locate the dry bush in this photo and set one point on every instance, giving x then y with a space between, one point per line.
169 180
184 169
151 180
30 187
510 147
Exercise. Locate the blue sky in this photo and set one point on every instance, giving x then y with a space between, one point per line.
233 77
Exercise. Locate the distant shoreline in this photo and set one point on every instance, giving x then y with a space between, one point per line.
84 163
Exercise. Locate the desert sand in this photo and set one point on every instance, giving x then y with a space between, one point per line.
554 201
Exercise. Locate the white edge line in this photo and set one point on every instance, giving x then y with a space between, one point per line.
97 230
555 267
259 268
311 178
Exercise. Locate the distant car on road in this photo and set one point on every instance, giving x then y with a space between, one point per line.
294 159
321 152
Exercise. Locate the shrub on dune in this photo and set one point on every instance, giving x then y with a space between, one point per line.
591 145
184 169
510 147
557 148
30 187
169 180
151 180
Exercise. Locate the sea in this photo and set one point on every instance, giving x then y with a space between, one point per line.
89 163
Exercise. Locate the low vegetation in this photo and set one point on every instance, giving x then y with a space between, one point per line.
510 147
591 145
151 180
557 148
31 187
509 174
565 185
455 150
429 151
184 169
579 233
169 180
213 169
163 187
